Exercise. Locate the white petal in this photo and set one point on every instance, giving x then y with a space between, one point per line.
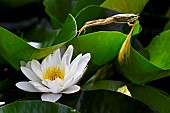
72 89
30 74
51 97
77 79
56 89
26 86
55 86
46 63
36 67
39 86
49 60
56 57
81 68
68 53
68 83
84 60
77 59
53 83
1 103
72 68
82 64
63 62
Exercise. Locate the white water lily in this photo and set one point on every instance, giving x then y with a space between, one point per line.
56 75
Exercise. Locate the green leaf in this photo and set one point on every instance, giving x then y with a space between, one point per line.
14 49
58 10
36 106
103 46
81 4
103 84
137 68
152 97
104 101
16 3
125 6
159 50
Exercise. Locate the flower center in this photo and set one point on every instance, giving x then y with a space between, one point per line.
53 73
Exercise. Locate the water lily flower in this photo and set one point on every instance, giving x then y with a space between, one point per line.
56 75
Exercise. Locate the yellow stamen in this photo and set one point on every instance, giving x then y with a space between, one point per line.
53 73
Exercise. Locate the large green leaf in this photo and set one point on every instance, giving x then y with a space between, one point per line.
152 97
36 106
137 68
125 6
103 46
58 10
14 49
104 101
16 3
